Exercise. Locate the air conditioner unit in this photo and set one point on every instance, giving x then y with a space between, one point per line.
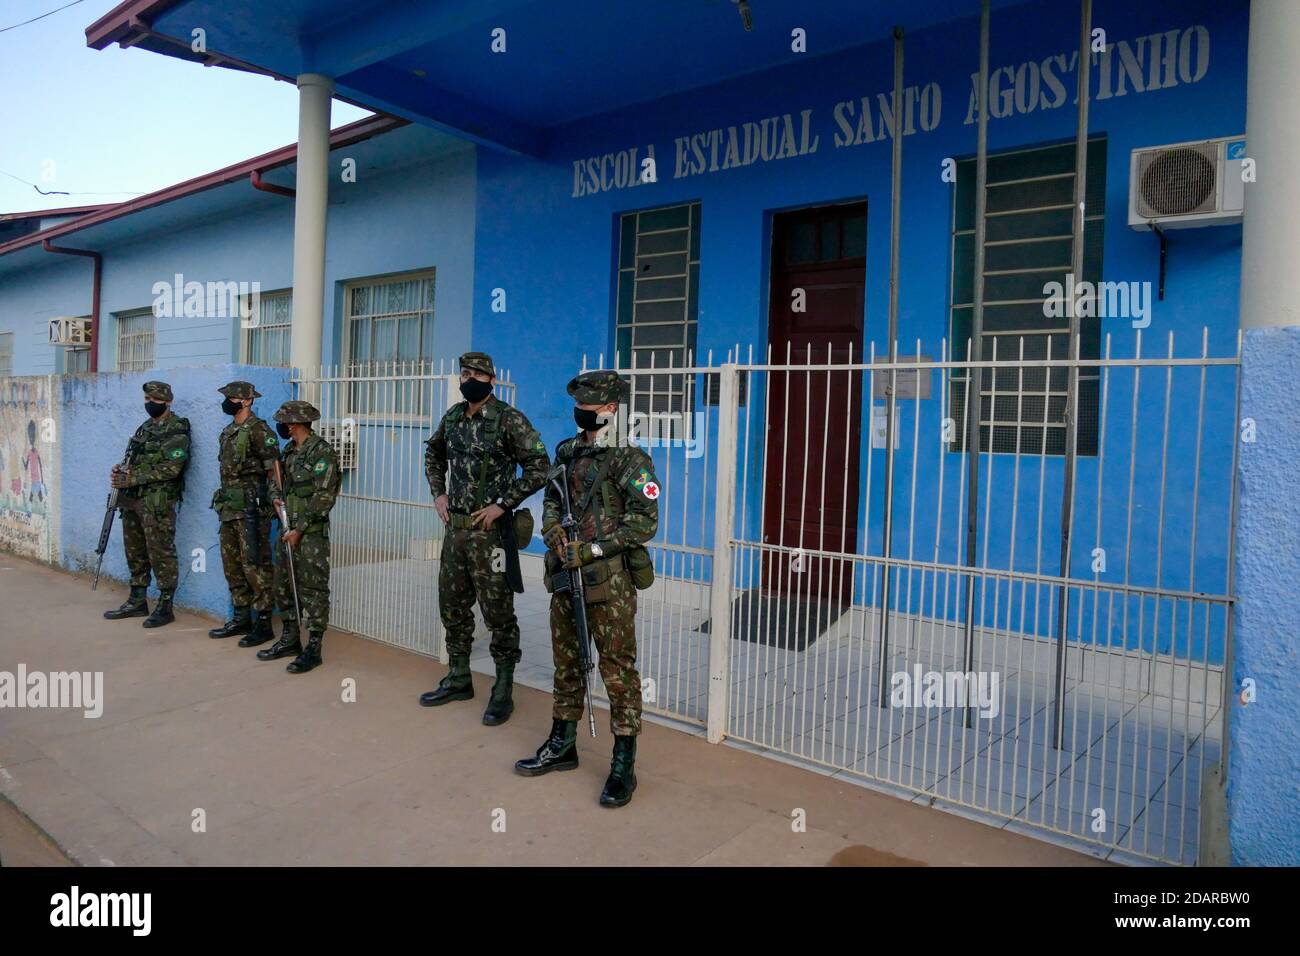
1186 185
67 330
343 437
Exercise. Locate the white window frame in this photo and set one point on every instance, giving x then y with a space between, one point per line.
151 336
6 353
350 367
246 334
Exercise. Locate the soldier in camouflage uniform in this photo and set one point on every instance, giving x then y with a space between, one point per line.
309 484
615 500
480 441
151 481
247 452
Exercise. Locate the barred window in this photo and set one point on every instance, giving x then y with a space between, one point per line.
135 340
658 301
267 341
389 327
1028 222
6 353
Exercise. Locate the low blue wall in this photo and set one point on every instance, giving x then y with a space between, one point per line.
1264 755
100 412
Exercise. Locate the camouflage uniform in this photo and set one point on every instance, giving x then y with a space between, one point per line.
480 453
156 458
311 483
246 452
622 514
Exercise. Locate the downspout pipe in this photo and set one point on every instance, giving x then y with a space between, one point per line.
96 283
255 177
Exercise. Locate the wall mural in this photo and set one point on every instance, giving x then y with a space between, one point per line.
28 468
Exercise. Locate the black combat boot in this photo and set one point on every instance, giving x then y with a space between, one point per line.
162 611
310 657
501 705
560 752
457 685
622 781
289 642
241 623
137 605
260 632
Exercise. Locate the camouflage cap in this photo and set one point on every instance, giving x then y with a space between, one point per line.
599 387
158 391
239 390
479 362
296 412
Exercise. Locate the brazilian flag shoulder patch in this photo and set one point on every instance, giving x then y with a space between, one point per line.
178 452
641 479
321 466
270 440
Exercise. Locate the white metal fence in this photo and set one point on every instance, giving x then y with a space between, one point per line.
856 589
385 535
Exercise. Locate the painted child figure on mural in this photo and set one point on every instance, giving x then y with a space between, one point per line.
35 469
615 498
308 487
151 482
470 464
247 453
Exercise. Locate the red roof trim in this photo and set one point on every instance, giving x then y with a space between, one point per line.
117 25
343 136
58 211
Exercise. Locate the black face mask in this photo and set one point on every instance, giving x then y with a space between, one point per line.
282 430
230 406
474 390
588 420
155 408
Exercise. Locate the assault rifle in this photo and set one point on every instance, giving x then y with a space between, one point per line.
288 550
106 530
569 581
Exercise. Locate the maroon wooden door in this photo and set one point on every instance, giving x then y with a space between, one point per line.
813 423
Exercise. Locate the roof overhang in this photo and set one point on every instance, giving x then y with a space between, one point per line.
98 215
434 61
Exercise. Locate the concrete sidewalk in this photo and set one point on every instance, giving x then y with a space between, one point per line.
285 772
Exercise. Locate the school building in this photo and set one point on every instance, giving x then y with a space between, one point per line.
806 233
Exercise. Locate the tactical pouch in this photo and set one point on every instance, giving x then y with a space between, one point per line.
236 499
596 576
523 519
550 567
640 566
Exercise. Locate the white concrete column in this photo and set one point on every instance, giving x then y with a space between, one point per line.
309 213
1270 281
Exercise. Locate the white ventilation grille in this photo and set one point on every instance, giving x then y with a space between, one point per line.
1177 181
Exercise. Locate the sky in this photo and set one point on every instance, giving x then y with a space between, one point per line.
107 125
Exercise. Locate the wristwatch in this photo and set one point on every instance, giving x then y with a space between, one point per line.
597 551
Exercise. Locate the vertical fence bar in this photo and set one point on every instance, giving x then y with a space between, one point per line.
975 376
723 518
1072 388
891 403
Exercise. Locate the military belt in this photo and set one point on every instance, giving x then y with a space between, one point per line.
460 522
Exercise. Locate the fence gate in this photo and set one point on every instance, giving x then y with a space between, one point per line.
385 535
905 614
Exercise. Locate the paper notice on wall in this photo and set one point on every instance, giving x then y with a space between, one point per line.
879 417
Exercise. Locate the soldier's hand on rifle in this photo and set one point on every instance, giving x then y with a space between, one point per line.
291 538
555 539
443 508
484 517
576 554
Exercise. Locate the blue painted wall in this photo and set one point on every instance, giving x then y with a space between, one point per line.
410 213
100 412
560 294
1264 768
